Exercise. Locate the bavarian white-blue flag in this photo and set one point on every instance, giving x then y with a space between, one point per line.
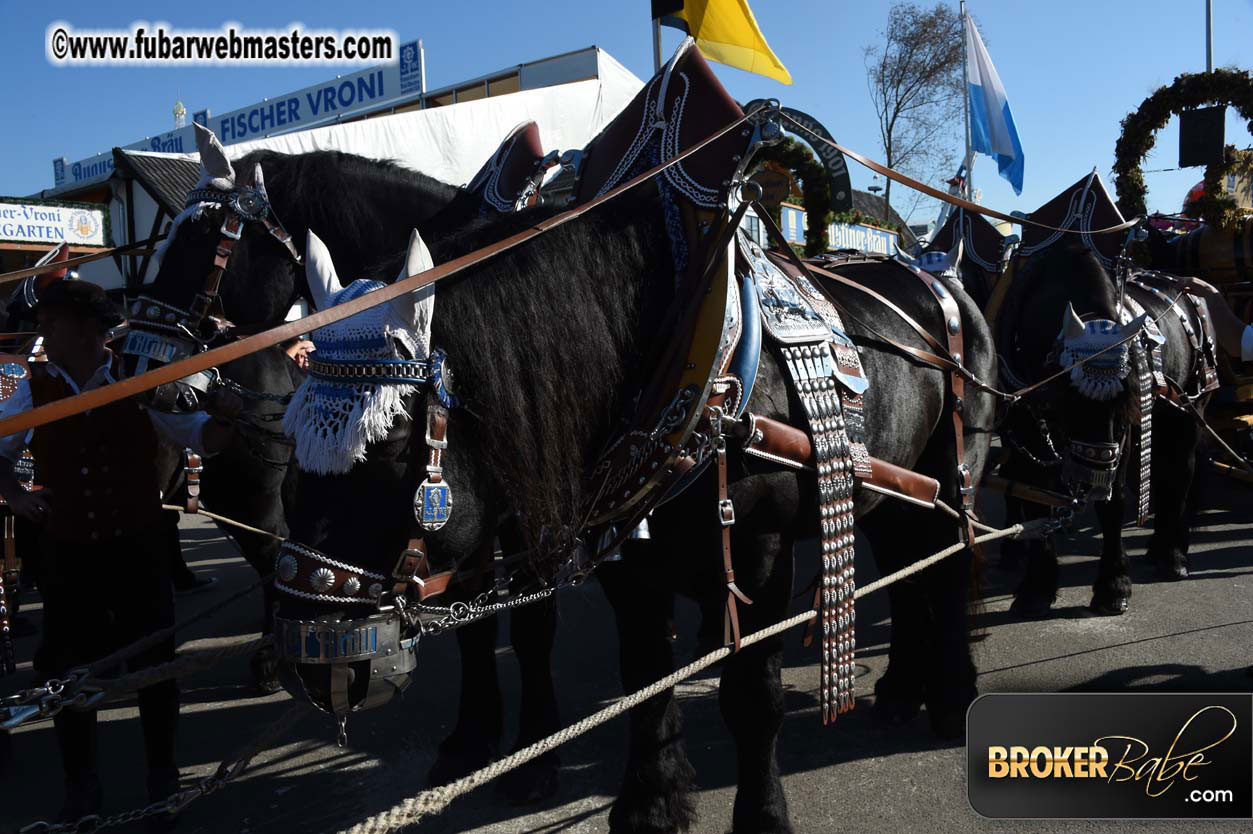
992 128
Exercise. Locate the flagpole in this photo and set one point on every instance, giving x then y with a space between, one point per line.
656 44
969 159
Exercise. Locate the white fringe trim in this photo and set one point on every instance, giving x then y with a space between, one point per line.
332 433
1101 379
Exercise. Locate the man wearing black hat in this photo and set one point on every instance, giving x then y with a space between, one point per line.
105 576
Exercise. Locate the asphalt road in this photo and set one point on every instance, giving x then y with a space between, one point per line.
859 776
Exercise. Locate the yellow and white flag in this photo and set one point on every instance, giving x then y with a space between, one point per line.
726 32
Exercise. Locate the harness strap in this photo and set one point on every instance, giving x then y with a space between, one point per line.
192 467
953 332
726 518
232 227
936 193
413 567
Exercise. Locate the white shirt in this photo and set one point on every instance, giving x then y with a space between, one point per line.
1246 344
182 430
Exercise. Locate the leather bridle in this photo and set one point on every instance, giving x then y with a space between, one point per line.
242 204
189 331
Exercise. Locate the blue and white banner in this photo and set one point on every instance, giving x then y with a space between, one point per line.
343 97
992 130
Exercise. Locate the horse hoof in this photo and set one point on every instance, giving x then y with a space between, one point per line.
1109 608
532 783
1031 607
1172 571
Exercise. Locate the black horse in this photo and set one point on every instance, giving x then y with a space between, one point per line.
1077 433
368 207
549 342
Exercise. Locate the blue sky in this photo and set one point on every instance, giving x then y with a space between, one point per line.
1072 69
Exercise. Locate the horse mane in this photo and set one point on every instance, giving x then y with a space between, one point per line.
543 340
347 198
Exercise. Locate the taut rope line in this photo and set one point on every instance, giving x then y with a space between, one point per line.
435 800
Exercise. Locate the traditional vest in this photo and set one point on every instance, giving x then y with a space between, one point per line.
98 465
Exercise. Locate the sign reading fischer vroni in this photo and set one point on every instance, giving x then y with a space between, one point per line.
51 223
344 96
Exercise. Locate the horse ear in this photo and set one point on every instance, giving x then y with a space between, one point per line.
258 181
320 272
416 308
907 260
418 258
1134 325
1072 325
215 168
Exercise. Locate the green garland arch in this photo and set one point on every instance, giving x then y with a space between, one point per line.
815 187
1139 134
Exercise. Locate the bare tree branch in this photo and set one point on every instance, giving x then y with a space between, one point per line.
914 77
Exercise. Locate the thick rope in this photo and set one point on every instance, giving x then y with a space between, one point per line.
435 800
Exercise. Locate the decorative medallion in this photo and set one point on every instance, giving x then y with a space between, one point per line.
322 580
248 203
432 504
351 586
286 567
442 379
375 591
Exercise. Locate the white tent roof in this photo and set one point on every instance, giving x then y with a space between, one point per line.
451 143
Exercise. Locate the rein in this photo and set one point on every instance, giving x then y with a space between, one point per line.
19 274
949 198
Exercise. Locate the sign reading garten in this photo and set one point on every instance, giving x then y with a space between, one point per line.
78 224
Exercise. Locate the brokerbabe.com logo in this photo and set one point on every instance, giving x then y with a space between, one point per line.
1117 755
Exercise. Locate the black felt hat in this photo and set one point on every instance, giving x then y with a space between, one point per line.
82 297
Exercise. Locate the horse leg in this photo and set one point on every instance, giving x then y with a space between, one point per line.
532 630
929 658
1174 470
750 693
1111 593
656 789
475 740
898 694
1037 590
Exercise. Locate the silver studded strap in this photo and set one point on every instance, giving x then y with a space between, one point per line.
812 369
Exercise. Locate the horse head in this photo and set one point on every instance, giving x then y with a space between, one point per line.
346 628
231 261
1067 317
542 339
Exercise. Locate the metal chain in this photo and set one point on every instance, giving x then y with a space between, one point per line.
47 700
463 613
1045 435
